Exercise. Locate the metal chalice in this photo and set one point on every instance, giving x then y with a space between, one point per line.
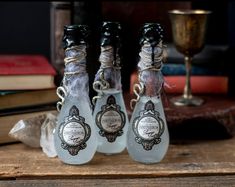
188 29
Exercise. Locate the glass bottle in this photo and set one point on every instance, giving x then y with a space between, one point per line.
75 138
110 112
147 136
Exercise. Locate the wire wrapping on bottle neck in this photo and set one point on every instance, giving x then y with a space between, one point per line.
80 55
147 63
107 61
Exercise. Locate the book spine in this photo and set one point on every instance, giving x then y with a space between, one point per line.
199 84
179 69
60 15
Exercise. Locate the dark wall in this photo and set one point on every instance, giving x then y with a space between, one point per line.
25 28
217 30
231 22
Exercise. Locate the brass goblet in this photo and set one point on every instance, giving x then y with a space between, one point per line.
188 28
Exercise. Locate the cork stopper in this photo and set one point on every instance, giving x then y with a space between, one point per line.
74 35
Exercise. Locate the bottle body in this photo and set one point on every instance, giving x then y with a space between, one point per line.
148 137
75 138
110 112
111 122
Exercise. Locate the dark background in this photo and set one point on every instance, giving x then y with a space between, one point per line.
25 27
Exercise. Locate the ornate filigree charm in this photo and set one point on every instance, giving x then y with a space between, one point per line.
148 127
110 120
74 132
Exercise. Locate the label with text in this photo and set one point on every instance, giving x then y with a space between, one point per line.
110 120
148 127
74 132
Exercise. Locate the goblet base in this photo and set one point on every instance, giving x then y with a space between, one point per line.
187 101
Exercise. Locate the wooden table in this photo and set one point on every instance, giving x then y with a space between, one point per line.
198 163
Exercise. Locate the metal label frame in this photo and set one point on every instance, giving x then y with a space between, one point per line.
74 117
110 106
148 112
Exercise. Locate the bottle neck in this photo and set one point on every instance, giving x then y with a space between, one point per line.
109 73
75 60
75 78
109 57
150 65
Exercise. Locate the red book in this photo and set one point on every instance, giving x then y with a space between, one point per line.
199 84
22 72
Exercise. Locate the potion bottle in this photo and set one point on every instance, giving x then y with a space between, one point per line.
148 137
74 136
109 111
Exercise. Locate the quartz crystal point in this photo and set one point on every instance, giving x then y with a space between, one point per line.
36 132
28 131
47 137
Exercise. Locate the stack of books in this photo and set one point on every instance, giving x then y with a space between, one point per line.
208 72
27 89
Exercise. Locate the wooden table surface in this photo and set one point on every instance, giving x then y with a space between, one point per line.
198 163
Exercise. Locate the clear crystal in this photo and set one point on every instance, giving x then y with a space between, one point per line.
28 131
36 132
47 136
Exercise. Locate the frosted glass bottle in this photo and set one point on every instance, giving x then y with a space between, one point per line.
110 112
74 136
148 137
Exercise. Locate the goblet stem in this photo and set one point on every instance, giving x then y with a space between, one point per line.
187 88
187 99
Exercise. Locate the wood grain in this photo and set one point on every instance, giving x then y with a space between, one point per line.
206 181
185 159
